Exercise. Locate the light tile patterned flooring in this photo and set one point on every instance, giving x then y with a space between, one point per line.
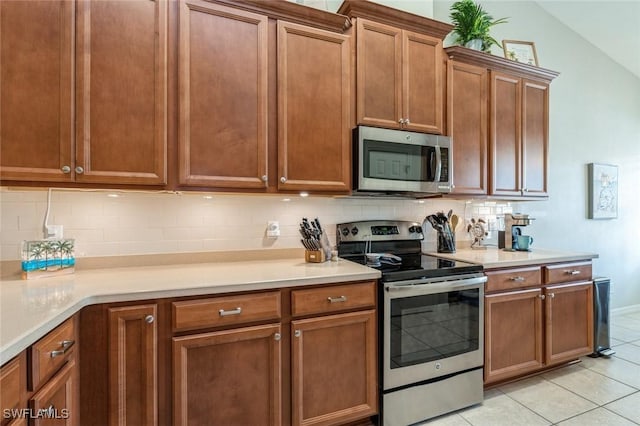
597 391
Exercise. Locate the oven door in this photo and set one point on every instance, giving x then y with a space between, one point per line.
432 328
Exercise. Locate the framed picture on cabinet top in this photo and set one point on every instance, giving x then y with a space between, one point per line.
603 191
520 51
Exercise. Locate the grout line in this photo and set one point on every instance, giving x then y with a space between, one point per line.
618 414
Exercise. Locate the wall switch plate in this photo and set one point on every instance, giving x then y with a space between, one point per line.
273 228
55 232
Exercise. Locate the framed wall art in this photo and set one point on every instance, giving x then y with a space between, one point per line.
520 51
603 191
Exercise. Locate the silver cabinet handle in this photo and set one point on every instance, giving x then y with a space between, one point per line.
337 299
401 121
574 272
277 337
149 319
66 345
264 178
297 333
406 121
79 170
541 296
552 295
235 311
66 169
283 179
517 279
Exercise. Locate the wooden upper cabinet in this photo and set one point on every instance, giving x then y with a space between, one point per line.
506 116
133 358
535 137
223 96
379 74
399 78
121 92
467 123
314 97
36 79
519 136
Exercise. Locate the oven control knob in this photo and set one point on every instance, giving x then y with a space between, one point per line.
345 232
416 229
354 230
438 366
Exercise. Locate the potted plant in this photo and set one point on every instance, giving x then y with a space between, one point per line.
472 25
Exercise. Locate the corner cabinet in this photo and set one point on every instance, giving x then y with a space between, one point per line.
400 69
498 116
536 317
104 121
314 141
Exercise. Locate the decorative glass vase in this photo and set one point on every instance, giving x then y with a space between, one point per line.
475 44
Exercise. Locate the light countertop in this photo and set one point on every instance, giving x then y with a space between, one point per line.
30 309
493 257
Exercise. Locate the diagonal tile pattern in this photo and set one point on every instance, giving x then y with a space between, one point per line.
594 392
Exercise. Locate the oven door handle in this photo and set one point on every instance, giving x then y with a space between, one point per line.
434 287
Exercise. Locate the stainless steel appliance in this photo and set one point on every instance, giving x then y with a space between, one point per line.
508 240
601 336
401 162
430 319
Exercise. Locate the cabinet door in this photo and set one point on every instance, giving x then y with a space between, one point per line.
467 115
230 377
333 368
121 92
505 135
223 96
422 82
569 321
36 105
133 352
379 74
314 138
535 137
513 334
58 398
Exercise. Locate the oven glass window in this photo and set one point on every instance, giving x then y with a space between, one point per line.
397 161
434 326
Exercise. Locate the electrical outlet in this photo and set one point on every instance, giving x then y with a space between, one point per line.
273 228
55 232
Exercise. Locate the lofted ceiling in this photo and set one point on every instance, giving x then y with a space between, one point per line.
611 26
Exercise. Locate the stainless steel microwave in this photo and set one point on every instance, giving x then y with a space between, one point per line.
395 161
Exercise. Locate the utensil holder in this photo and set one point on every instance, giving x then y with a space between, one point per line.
314 256
446 243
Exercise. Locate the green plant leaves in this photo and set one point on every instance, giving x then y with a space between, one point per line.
471 21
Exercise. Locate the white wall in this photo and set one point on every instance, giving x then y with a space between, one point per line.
594 117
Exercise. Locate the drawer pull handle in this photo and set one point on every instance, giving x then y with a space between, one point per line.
517 279
66 345
541 296
574 272
236 311
337 299
552 295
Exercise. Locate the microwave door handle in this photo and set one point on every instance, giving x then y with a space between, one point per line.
438 164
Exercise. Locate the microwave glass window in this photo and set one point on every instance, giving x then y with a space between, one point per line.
397 161
444 173
435 326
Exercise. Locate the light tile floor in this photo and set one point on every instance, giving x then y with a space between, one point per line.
597 391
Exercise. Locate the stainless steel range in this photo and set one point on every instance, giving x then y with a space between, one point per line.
430 319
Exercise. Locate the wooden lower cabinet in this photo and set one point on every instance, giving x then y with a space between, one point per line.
528 329
56 403
569 321
333 367
132 365
513 333
229 377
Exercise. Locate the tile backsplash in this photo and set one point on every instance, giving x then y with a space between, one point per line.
107 223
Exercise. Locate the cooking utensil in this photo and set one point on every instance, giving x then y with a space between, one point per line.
454 222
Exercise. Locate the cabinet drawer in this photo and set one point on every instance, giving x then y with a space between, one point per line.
220 311
333 298
58 396
510 279
12 382
567 272
51 352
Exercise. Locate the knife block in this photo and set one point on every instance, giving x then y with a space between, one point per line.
314 256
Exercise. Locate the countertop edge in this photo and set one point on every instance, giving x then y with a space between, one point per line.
27 338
